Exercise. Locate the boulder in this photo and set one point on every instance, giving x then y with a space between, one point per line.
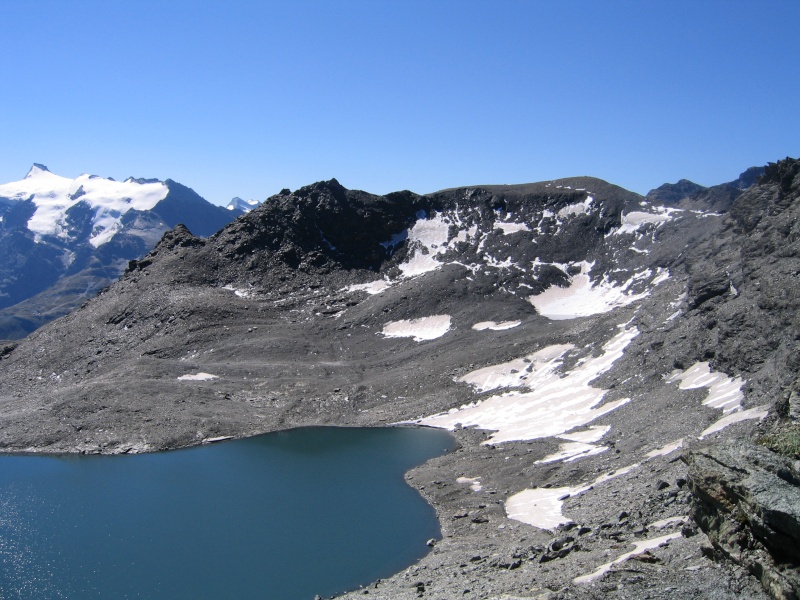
747 500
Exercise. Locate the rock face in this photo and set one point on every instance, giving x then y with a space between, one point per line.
748 499
64 240
573 336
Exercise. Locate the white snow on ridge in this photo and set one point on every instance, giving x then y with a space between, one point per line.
583 299
53 195
425 328
554 404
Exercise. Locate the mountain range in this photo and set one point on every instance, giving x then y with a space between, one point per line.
620 371
63 240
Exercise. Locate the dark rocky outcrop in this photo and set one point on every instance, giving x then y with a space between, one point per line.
748 501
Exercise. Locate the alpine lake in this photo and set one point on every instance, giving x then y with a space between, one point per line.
286 515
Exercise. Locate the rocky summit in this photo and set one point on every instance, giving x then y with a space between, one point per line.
621 372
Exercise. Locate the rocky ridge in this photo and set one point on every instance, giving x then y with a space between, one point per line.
578 339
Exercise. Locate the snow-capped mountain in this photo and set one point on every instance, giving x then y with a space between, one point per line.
621 373
244 206
65 239
57 200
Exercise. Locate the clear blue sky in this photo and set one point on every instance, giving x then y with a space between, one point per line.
244 98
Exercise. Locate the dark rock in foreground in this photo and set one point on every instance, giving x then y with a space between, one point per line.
748 501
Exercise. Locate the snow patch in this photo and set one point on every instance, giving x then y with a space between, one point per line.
757 412
541 507
634 220
474 483
576 209
238 292
639 547
554 404
373 287
667 522
516 372
508 228
723 392
483 325
424 328
570 451
665 450
426 239
579 445
198 377
583 299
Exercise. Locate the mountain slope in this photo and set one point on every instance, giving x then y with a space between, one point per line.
574 336
64 239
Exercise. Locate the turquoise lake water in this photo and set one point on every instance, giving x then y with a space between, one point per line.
280 516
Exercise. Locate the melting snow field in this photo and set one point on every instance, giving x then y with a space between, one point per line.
555 404
515 373
54 196
582 299
425 328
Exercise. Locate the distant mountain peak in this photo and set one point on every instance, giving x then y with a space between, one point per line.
237 203
36 169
